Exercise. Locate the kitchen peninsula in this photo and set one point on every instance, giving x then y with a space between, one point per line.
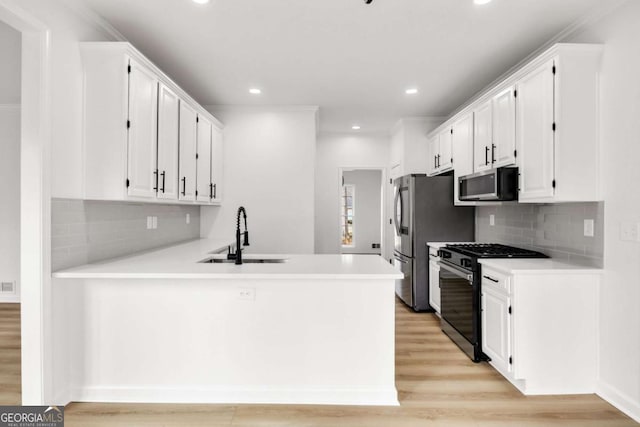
163 326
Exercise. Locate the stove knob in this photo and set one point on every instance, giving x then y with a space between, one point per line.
465 262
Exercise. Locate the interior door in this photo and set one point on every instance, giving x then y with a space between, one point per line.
168 140
142 135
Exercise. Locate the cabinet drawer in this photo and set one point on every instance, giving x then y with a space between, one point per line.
492 279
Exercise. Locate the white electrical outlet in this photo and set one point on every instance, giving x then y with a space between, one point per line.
629 231
492 220
149 222
589 228
248 294
188 219
154 222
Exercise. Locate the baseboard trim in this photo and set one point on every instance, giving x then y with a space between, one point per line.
237 395
619 399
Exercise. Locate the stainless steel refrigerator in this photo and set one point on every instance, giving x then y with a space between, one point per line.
424 212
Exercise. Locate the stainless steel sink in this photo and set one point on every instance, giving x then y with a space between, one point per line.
244 261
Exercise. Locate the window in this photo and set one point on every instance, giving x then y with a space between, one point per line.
346 224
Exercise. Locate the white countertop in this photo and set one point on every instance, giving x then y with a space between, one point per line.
181 261
537 266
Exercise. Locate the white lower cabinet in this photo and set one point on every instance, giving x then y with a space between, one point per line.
539 326
434 284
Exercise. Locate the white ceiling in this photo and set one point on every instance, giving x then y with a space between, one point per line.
354 61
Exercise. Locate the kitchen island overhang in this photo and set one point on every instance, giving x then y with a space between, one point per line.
257 336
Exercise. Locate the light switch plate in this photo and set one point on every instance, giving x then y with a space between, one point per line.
629 231
589 228
154 222
188 218
492 220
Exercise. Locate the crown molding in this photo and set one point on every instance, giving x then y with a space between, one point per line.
91 16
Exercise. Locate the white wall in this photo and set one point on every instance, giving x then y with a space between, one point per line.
67 27
269 169
10 45
367 216
335 151
10 196
10 68
620 136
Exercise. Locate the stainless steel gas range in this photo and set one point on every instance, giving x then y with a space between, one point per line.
460 290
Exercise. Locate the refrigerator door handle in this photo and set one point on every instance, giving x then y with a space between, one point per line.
397 217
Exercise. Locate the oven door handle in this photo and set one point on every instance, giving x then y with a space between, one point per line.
457 272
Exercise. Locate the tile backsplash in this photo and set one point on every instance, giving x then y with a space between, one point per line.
89 231
556 230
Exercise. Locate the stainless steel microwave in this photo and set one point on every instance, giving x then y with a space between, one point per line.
500 184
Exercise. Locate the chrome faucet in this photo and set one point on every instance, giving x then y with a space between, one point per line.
238 255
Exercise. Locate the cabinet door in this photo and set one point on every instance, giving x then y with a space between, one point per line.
445 154
482 137
187 162
503 129
142 135
432 157
203 181
168 138
434 285
462 153
217 162
535 135
496 329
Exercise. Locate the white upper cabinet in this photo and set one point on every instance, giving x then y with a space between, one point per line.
188 150
440 152
204 190
503 116
217 161
543 119
143 126
134 131
482 133
168 139
535 132
462 153
557 126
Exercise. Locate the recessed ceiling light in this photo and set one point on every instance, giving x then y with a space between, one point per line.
255 91
355 127
481 1
201 1
411 91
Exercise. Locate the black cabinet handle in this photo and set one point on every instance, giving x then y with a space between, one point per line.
184 186
163 180
486 156
210 190
438 160
215 191
155 174
493 153
435 162
491 278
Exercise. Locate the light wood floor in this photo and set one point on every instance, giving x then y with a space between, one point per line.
437 385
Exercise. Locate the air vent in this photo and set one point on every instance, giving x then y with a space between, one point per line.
8 287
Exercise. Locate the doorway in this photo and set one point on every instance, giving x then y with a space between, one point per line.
361 211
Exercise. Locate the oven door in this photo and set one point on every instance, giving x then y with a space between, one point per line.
456 299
